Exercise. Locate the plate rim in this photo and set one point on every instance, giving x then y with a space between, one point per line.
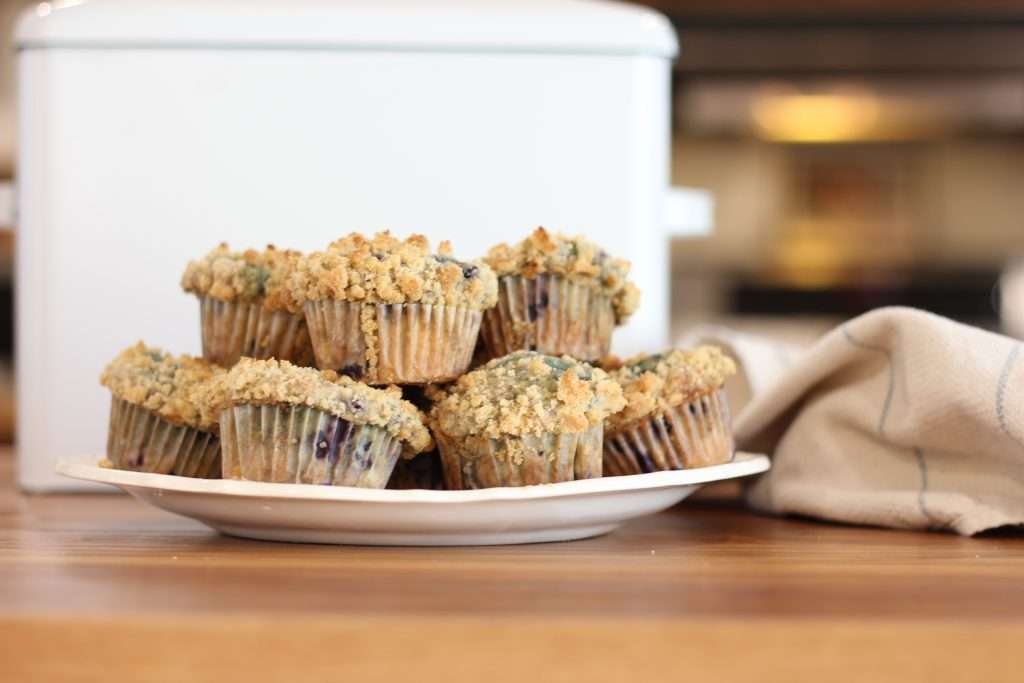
743 464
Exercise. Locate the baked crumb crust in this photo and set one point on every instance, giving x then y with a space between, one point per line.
273 382
572 257
525 393
384 269
248 275
653 383
173 387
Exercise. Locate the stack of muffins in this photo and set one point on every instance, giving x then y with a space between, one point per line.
376 362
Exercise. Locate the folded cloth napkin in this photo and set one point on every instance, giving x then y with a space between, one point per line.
898 418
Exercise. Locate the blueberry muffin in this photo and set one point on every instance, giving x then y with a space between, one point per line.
244 307
159 420
523 419
387 311
676 414
557 295
421 472
284 423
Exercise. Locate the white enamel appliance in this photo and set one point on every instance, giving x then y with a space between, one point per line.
151 130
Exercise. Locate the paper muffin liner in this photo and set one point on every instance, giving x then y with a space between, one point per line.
421 472
140 440
550 314
304 445
694 434
407 344
232 329
478 462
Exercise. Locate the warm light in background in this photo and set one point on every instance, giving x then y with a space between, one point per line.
815 118
838 117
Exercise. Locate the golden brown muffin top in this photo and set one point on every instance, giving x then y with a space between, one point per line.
248 275
526 393
273 382
573 257
653 383
173 387
384 269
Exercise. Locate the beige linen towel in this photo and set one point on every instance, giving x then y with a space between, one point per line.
898 418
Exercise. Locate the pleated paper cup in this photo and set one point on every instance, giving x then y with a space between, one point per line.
550 314
140 440
410 343
694 434
478 462
232 329
303 445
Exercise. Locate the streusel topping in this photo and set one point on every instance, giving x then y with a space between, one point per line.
384 269
527 393
273 382
248 275
173 387
654 383
573 257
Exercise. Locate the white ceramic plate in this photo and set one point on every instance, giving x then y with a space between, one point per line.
304 513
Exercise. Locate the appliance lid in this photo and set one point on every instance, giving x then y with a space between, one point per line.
540 26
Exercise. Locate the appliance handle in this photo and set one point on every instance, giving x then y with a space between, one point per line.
688 212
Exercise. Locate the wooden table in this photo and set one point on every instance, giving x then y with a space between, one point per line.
99 587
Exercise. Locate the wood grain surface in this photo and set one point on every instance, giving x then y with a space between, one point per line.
100 587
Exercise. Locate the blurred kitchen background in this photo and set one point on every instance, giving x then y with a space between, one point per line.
860 153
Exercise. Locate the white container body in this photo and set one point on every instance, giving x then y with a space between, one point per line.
135 158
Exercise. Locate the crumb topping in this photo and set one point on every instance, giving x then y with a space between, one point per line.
248 275
384 269
273 382
572 257
173 387
653 383
526 393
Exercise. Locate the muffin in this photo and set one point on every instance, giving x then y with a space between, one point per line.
387 311
557 295
284 423
244 307
524 419
422 472
159 420
676 414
